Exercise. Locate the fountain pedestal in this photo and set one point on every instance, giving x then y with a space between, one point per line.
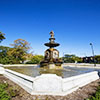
51 58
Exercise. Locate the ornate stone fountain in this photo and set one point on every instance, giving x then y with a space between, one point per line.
51 58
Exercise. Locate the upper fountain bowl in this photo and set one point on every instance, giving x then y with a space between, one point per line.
51 44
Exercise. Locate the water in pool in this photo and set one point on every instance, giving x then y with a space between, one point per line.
36 71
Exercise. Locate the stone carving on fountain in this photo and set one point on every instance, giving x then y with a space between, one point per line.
51 58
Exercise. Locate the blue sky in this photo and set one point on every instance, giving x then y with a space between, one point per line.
76 23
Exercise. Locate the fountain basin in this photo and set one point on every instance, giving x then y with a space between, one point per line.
50 84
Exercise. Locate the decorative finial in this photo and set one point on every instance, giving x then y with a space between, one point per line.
52 34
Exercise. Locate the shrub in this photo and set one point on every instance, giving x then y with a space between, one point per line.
35 59
95 96
12 92
3 93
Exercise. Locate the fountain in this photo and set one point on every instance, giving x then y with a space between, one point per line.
51 58
69 79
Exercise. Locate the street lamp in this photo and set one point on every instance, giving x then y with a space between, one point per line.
93 53
63 56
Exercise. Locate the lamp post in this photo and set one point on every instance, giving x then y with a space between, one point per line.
63 56
93 53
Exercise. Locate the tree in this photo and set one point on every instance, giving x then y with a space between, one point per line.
17 54
3 51
19 50
2 36
35 59
4 57
68 58
97 59
71 58
3 54
21 44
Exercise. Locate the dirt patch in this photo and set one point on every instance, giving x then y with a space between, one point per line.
80 94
